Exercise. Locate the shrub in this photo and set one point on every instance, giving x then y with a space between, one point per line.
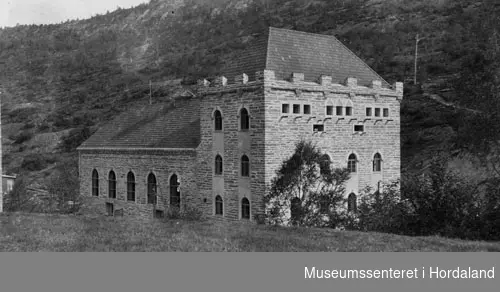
34 162
306 191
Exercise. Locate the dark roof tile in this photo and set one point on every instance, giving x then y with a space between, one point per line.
152 126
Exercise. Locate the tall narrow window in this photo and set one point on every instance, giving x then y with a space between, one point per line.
112 185
352 203
386 112
368 111
377 112
219 205
307 109
151 189
218 165
95 183
175 195
244 119
218 120
348 110
377 162
245 166
245 208
339 110
130 186
329 110
285 108
351 163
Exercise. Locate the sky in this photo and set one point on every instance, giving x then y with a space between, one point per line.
55 11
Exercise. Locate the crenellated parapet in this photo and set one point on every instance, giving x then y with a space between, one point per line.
296 81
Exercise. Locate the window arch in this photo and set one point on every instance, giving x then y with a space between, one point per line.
95 183
351 162
112 185
130 186
348 107
352 203
244 119
152 189
245 208
338 108
217 120
218 165
377 162
245 166
219 205
175 195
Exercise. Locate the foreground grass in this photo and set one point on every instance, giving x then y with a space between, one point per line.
40 232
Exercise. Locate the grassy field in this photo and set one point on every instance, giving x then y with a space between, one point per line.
39 232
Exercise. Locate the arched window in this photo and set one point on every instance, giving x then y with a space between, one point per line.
352 203
377 162
245 208
325 164
245 166
218 120
112 185
130 186
151 189
218 164
351 163
175 195
95 183
219 205
244 119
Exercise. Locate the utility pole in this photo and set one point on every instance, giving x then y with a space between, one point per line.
417 39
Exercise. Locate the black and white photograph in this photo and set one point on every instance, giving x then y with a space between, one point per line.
250 126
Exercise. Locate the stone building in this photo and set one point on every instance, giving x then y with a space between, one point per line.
219 150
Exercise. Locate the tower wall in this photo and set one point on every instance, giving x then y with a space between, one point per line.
338 138
231 143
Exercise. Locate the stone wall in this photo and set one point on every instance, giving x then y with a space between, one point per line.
338 138
163 163
231 143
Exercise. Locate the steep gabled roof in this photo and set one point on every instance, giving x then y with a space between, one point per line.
287 51
152 126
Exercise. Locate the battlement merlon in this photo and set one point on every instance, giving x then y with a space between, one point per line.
296 81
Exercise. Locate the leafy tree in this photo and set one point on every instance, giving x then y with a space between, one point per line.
306 191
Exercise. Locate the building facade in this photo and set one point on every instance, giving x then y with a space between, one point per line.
218 151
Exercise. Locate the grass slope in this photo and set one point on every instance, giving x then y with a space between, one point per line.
37 232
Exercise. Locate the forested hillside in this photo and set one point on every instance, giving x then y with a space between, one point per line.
60 82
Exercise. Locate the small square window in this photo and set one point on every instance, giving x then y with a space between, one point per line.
318 128
348 111
307 109
359 128
296 108
368 111
329 110
377 112
285 108
386 112
339 111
